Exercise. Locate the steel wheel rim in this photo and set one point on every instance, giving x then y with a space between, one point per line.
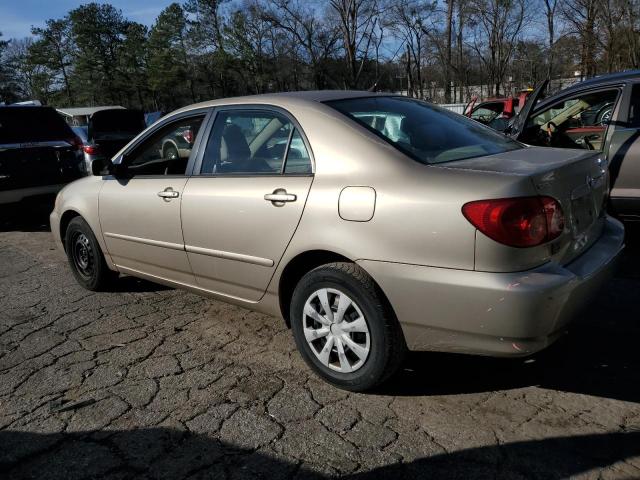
83 257
336 330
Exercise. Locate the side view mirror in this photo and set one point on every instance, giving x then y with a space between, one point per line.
100 167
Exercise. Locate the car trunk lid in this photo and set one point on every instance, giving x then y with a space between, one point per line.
577 179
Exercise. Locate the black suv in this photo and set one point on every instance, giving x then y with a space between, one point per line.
39 154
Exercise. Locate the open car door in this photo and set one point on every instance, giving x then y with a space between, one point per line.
520 120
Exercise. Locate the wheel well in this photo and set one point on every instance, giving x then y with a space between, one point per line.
64 223
295 270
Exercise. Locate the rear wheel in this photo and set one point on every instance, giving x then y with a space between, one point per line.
344 329
85 256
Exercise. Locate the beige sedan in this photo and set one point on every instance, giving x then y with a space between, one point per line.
370 223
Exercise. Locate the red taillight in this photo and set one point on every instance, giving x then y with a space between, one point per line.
517 222
188 136
90 149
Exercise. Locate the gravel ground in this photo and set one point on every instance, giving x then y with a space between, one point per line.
150 382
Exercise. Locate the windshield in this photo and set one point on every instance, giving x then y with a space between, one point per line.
31 124
424 132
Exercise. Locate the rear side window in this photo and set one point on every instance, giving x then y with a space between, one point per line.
32 124
254 142
426 133
634 108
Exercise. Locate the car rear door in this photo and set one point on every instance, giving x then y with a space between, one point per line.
243 203
624 155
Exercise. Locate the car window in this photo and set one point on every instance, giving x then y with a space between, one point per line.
578 122
298 160
634 107
166 151
252 142
588 110
424 132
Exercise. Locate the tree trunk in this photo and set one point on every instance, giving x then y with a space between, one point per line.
447 60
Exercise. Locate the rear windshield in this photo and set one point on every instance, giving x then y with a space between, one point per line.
424 132
32 124
118 122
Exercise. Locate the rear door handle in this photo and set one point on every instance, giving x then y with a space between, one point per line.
279 197
168 193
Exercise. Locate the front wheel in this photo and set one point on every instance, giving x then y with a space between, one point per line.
344 329
85 257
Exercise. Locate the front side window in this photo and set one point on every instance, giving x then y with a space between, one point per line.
254 142
166 151
426 133
578 122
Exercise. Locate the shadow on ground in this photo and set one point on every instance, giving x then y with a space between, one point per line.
28 217
167 453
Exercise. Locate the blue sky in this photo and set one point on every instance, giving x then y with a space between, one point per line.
17 16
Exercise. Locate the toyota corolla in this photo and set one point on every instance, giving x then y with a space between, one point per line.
371 223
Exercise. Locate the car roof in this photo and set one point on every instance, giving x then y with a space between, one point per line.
72 112
286 98
605 79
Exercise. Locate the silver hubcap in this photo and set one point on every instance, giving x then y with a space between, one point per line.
336 330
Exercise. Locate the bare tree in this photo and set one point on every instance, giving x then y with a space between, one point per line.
550 10
581 15
357 20
409 22
309 31
499 23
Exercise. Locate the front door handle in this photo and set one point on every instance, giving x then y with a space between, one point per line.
279 197
168 193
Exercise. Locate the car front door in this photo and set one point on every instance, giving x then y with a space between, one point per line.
244 201
139 206
624 153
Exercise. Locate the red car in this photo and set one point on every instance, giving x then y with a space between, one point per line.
495 112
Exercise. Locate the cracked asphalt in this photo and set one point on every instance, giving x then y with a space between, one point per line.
150 382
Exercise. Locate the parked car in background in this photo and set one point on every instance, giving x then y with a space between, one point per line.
79 116
107 132
380 223
39 153
496 112
601 115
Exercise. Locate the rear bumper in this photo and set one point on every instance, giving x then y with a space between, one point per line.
501 314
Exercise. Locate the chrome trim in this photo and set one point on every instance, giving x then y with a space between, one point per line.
264 262
145 241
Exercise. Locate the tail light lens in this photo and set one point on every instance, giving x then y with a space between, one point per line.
188 136
517 222
90 149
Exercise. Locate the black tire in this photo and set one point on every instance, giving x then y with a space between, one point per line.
387 346
85 257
